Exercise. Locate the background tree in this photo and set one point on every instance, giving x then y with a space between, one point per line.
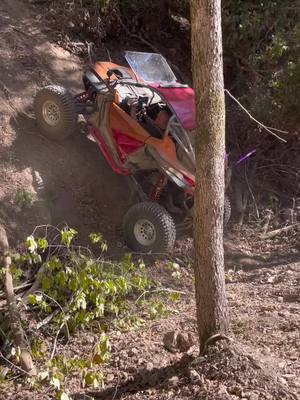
207 65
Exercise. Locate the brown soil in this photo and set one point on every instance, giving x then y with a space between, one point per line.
70 182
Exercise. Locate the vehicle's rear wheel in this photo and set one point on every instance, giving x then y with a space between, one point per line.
55 112
227 210
148 227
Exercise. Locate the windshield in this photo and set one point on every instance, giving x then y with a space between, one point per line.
151 67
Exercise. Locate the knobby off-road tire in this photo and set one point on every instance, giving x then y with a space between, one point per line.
227 210
55 112
148 227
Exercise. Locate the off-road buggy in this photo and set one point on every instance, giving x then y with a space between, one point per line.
143 119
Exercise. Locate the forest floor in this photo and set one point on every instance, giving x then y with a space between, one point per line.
42 182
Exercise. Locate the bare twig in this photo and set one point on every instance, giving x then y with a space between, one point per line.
18 288
36 284
47 319
14 365
167 290
55 340
55 312
61 309
267 128
117 387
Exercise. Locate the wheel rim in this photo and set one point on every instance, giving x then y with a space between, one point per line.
145 232
51 113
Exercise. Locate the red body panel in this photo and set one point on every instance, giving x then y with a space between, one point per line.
126 144
105 150
182 101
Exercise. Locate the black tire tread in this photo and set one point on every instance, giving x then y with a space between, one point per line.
160 216
67 106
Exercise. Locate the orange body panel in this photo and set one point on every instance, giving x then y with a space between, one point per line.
165 147
167 151
122 122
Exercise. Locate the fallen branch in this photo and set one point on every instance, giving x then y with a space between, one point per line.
166 290
36 284
14 365
19 289
48 319
19 339
55 341
62 311
277 232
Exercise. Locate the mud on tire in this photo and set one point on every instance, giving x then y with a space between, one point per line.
148 227
55 112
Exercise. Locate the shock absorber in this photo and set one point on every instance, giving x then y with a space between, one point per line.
158 188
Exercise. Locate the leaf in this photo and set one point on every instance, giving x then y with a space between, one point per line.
36 258
63 396
102 350
175 297
98 359
67 236
81 301
34 299
104 247
55 382
42 375
176 274
31 244
42 244
94 379
46 282
60 278
95 237
122 283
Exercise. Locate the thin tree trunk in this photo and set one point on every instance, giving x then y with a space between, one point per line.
13 312
207 64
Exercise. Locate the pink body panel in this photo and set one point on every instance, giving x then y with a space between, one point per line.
182 102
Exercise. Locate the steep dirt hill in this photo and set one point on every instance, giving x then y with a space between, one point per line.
41 181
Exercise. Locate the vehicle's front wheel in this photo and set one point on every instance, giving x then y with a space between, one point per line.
148 227
55 112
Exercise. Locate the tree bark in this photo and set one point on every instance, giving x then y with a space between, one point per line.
207 64
14 316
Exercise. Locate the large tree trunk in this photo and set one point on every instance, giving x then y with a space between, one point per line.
207 64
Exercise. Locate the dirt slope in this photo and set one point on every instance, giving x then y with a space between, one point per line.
67 182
